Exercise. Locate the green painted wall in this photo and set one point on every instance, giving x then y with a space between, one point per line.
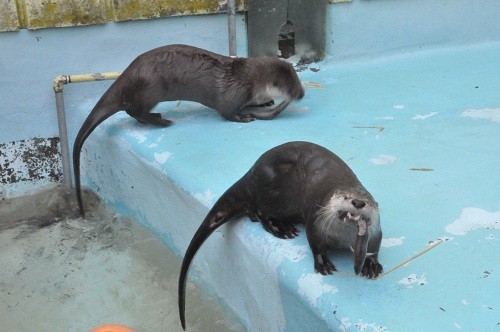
38 14
139 9
8 16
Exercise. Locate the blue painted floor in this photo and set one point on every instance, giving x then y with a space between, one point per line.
422 133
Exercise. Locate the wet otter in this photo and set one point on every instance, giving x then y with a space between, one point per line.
237 88
300 182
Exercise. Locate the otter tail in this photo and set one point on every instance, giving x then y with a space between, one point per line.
101 111
230 205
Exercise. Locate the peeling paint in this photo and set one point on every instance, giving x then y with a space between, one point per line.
473 218
162 157
365 327
312 286
492 114
413 279
392 241
206 197
384 160
345 324
423 117
30 160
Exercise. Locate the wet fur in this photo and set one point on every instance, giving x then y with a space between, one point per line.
300 182
236 88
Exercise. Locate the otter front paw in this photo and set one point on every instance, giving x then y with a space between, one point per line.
269 103
280 230
371 268
323 265
242 118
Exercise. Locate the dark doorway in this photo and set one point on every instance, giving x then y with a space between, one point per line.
286 41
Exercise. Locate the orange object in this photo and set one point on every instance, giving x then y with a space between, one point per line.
112 328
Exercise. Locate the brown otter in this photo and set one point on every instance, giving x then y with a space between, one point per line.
300 182
237 88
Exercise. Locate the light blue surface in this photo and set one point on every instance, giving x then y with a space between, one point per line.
428 105
270 282
369 29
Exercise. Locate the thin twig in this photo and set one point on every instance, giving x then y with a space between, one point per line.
411 258
370 127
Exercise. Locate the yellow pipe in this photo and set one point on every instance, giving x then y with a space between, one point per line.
60 80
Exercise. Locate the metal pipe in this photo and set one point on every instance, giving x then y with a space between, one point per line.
58 84
63 140
231 25
60 80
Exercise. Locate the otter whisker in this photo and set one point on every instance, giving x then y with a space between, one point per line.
368 254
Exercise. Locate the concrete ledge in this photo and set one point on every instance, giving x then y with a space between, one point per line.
240 263
416 129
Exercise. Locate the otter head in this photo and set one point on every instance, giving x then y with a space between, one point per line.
286 80
281 80
350 207
354 205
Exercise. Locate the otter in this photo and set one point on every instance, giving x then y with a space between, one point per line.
300 182
239 89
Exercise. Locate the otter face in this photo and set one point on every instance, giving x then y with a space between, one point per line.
285 83
352 206
351 211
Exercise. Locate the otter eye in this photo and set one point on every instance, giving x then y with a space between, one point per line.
346 198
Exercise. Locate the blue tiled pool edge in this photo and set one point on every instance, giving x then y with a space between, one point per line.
168 178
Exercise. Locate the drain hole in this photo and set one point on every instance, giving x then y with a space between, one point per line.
286 41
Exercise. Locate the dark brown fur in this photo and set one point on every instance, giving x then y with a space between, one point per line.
300 182
236 88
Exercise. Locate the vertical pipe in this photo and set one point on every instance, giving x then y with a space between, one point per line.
231 24
58 84
63 140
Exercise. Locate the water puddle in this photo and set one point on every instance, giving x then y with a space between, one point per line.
76 274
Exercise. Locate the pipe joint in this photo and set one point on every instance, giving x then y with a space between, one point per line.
59 81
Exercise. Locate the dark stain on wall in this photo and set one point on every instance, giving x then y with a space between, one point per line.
30 160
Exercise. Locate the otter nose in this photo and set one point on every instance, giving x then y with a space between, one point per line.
358 204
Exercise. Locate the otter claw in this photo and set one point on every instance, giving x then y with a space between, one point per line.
243 118
290 231
371 268
323 265
266 104
281 230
